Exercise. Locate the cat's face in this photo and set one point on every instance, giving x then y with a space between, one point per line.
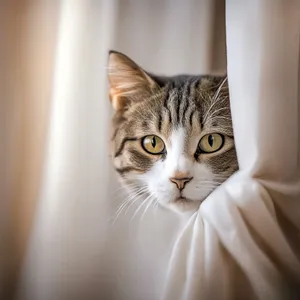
172 137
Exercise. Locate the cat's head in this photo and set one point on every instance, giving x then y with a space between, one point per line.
172 137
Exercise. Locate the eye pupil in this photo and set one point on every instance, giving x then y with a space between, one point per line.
153 145
211 143
153 142
211 140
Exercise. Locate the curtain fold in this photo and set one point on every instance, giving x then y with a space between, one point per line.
246 215
244 242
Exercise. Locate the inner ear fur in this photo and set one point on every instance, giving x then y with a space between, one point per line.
127 81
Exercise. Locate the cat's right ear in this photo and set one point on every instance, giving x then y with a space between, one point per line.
127 81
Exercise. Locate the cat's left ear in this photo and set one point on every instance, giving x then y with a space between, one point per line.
128 82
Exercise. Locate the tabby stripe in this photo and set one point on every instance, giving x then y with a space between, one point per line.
178 108
191 117
115 134
201 118
145 125
159 121
187 90
198 83
185 108
124 170
167 108
119 151
185 99
140 159
192 96
194 89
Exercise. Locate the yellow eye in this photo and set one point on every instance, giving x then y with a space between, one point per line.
211 142
153 144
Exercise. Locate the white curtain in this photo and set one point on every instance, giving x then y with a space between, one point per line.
244 243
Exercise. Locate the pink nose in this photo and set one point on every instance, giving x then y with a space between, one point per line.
181 182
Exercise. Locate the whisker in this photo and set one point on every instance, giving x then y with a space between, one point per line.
139 207
206 187
127 189
131 192
216 98
147 207
132 203
156 206
218 110
216 118
208 181
131 198
125 186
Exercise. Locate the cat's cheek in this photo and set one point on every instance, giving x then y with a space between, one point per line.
197 194
202 184
164 191
154 177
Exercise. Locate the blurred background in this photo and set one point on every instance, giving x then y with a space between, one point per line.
57 188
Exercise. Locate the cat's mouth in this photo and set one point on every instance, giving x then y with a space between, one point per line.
182 204
182 199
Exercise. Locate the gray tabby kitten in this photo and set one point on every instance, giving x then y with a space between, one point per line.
172 139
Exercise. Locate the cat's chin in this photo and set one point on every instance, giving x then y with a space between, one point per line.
183 206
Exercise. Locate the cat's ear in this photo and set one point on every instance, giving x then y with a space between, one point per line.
127 81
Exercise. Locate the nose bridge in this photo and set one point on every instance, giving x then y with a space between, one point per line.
180 163
177 157
181 167
184 163
180 175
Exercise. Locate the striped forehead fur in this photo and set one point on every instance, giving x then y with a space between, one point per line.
198 97
187 101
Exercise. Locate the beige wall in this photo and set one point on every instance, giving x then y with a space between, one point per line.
27 43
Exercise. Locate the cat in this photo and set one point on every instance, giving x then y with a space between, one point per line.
172 139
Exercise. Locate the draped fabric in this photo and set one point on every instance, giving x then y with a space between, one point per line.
60 237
